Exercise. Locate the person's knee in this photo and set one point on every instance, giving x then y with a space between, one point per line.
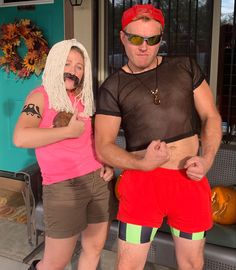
93 248
192 264
125 263
128 265
197 264
132 256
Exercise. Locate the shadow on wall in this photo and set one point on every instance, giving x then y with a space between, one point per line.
8 108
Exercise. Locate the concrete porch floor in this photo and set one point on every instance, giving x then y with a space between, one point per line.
107 263
17 254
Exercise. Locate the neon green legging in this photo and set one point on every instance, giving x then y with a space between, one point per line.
138 234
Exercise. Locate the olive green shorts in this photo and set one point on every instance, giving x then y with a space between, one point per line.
71 205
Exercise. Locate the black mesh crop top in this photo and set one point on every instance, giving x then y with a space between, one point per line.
128 96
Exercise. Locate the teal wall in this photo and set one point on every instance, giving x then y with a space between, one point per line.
50 19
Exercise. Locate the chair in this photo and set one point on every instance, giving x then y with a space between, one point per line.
220 249
32 194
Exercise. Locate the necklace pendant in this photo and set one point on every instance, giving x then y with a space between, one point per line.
156 97
157 100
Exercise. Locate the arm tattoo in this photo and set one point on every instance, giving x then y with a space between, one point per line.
32 109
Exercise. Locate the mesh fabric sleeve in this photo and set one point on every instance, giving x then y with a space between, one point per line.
196 72
107 98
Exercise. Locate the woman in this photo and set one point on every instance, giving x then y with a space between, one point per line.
77 194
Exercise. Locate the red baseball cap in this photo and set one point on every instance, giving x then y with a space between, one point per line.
138 11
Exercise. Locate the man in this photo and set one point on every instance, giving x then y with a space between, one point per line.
158 101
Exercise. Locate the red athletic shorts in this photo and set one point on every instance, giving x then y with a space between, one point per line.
147 197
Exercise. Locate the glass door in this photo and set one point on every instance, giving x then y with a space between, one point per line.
226 87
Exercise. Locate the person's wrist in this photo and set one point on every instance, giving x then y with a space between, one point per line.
66 131
143 165
208 160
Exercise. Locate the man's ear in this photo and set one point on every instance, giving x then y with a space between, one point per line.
122 36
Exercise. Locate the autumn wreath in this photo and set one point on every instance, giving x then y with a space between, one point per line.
11 38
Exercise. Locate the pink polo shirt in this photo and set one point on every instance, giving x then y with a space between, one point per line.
68 158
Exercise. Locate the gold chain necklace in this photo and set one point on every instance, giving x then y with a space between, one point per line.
155 92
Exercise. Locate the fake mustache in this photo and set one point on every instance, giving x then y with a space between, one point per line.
73 78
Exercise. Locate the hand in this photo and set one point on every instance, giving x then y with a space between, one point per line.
196 167
76 125
106 173
157 153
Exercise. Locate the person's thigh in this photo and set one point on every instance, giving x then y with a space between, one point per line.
131 256
189 253
57 252
92 241
189 203
94 236
65 208
133 245
103 205
142 197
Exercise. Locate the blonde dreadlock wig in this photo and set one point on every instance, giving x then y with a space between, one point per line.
53 80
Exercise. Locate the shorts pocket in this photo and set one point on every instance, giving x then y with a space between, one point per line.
119 184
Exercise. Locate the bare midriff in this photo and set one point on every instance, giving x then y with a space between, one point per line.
179 151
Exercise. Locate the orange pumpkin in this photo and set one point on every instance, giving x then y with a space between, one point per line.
116 186
223 204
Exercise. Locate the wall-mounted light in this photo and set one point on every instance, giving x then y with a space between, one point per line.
16 3
76 3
